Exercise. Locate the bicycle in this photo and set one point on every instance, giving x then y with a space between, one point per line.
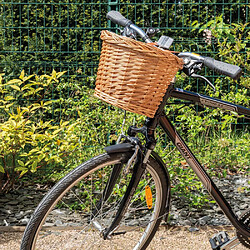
125 192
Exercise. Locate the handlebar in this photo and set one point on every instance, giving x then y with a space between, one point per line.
227 69
117 18
223 68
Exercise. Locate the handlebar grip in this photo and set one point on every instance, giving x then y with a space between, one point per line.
117 18
227 69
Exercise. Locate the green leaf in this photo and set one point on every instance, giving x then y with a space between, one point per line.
59 74
12 123
2 169
34 166
23 172
20 163
40 157
34 108
15 87
54 74
57 131
8 98
14 81
22 75
1 78
48 103
22 169
27 78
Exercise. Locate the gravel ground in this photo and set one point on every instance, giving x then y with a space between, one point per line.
173 238
17 206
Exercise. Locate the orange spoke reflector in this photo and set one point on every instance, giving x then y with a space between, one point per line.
149 197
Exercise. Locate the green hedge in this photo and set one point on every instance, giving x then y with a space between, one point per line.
41 35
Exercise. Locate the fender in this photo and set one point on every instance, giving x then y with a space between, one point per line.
163 166
119 148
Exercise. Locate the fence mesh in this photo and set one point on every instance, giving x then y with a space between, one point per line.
41 35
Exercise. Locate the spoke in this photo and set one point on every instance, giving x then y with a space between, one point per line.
138 227
100 213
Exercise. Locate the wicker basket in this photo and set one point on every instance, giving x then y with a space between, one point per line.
133 75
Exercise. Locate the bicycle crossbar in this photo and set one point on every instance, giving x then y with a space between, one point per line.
204 100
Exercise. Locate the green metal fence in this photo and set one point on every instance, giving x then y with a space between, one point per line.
38 35
41 35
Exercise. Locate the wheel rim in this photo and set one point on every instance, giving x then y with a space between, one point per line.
138 222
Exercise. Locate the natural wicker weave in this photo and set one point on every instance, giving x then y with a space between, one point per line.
134 75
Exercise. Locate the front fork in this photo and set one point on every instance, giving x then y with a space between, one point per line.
140 157
138 170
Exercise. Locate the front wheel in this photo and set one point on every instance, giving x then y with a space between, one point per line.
74 213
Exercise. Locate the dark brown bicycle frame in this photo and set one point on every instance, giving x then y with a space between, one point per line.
189 156
148 130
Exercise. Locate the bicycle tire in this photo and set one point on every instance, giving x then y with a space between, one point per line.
245 218
36 235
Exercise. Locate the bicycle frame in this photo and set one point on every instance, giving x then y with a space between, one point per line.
191 159
202 174
161 119
204 100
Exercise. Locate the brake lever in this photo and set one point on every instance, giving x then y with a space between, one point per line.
205 79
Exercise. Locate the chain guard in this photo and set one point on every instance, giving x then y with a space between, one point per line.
245 218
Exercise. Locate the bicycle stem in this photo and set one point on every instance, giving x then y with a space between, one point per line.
140 32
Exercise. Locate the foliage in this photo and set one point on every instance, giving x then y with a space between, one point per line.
82 126
231 41
46 35
66 125
219 139
51 135
28 140
50 35
213 138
